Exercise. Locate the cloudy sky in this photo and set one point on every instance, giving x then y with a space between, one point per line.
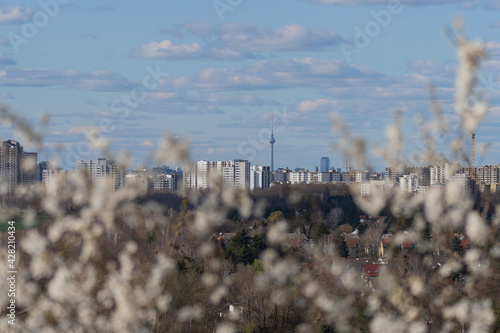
215 71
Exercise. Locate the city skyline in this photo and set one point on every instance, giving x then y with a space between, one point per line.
21 168
216 74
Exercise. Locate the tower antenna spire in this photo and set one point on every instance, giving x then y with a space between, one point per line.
473 157
272 141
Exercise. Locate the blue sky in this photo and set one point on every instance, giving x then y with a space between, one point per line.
214 71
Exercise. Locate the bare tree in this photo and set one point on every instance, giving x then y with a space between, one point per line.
334 217
317 217
371 238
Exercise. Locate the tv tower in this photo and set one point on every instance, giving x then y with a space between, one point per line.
272 141
473 168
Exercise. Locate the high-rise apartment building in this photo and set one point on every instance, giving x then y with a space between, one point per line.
488 174
260 176
242 174
101 169
206 174
29 168
49 174
164 178
10 166
17 167
410 183
440 173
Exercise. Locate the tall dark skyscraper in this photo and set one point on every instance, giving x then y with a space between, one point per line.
325 164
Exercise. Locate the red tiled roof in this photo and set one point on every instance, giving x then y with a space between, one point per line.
351 240
408 244
345 228
465 243
371 270
352 243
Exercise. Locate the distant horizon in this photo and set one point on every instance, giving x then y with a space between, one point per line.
174 166
215 76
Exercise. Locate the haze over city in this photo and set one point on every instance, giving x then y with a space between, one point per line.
216 71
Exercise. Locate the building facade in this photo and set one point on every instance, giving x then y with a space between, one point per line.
206 174
17 167
325 164
101 169
260 176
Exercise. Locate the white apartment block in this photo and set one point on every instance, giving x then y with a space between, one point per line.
487 174
297 177
242 174
101 169
374 187
318 177
206 173
48 175
260 176
163 181
138 178
202 173
281 176
440 173
314 177
189 176
360 176
410 183
422 190
465 182
95 169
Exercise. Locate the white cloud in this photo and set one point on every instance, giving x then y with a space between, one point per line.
352 3
200 29
80 129
319 104
147 143
433 67
162 96
277 74
103 80
14 15
236 41
466 4
167 49
290 37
